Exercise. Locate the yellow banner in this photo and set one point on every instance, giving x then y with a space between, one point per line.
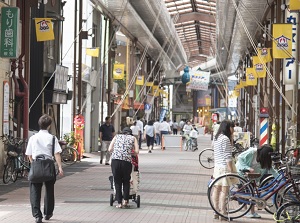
139 80
155 90
236 93
43 29
149 84
118 72
93 52
294 4
282 42
259 67
265 54
251 78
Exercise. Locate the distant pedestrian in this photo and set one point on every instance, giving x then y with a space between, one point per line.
122 147
157 132
237 127
141 125
181 125
164 129
41 143
175 127
135 131
149 134
106 134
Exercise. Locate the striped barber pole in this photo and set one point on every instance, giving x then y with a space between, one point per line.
263 131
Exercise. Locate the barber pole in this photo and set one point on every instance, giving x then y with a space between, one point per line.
263 131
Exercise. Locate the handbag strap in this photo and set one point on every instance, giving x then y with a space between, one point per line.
53 143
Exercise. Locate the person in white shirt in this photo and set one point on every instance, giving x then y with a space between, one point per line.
135 130
149 134
164 129
181 125
41 144
187 128
140 124
171 124
237 127
175 127
157 132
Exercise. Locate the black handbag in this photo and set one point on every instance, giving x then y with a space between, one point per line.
42 169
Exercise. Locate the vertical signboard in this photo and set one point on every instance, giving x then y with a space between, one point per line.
5 118
9 32
290 64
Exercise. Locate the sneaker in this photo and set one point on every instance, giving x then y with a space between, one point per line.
100 161
106 163
149 151
254 215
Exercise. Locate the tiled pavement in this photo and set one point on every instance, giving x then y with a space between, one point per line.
173 188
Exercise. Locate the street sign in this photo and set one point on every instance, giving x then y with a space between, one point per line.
9 32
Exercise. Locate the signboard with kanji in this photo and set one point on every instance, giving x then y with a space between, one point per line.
9 32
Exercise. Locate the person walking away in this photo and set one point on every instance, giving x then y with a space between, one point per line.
157 133
181 125
121 147
135 130
106 133
237 127
41 143
164 129
171 124
149 134
223 164
175 127
141 125
256 161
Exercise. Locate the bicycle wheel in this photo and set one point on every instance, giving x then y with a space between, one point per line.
25 166
290 194
265 185
189 145
69 155
8 170
206 158
235 205
289 212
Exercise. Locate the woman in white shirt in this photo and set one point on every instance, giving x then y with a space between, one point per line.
135 130
41 143
149 134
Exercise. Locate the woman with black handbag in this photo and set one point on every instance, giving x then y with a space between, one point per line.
40 149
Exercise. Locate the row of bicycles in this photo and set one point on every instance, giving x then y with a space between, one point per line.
279 196
17 164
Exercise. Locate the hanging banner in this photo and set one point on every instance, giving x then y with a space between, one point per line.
282 43
118 72
93 52
251 79
10 17
264 54
259 67
149 84
43 29
295 5
5 117
236 93
148 104
290 64
139 80
199 80
155 90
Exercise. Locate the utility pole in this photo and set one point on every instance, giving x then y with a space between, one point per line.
74 66
80 57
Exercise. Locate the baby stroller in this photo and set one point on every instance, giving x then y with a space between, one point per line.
134 184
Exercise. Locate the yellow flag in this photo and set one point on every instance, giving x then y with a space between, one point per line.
149 84
251 78
43 29
93 52
236 93
238 87
118 73
294 4
155 90
264 54
259 67
139 80
282 42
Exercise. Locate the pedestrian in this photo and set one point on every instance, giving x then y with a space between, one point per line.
256 161
106 133
149 134
122 147
157 133
164 129
141 125
223 164
237 127
181 125
41 143
171 124
135 131
175 127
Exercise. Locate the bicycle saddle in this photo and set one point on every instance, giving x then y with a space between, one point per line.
253 175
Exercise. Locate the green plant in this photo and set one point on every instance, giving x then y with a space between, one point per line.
71 138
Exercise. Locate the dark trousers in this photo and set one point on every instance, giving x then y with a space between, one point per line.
35 198
174 131
150 140
121 171
140 140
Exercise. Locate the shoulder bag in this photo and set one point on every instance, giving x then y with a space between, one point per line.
42 169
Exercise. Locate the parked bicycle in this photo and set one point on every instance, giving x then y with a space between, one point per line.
69 154
16 165
288 212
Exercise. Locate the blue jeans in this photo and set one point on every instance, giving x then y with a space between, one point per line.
157 138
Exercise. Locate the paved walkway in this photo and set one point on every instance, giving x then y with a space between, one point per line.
173 188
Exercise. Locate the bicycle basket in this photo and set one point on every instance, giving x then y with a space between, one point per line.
13 150
295 171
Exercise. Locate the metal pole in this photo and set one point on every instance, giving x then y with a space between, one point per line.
80 57
103 71
74 65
